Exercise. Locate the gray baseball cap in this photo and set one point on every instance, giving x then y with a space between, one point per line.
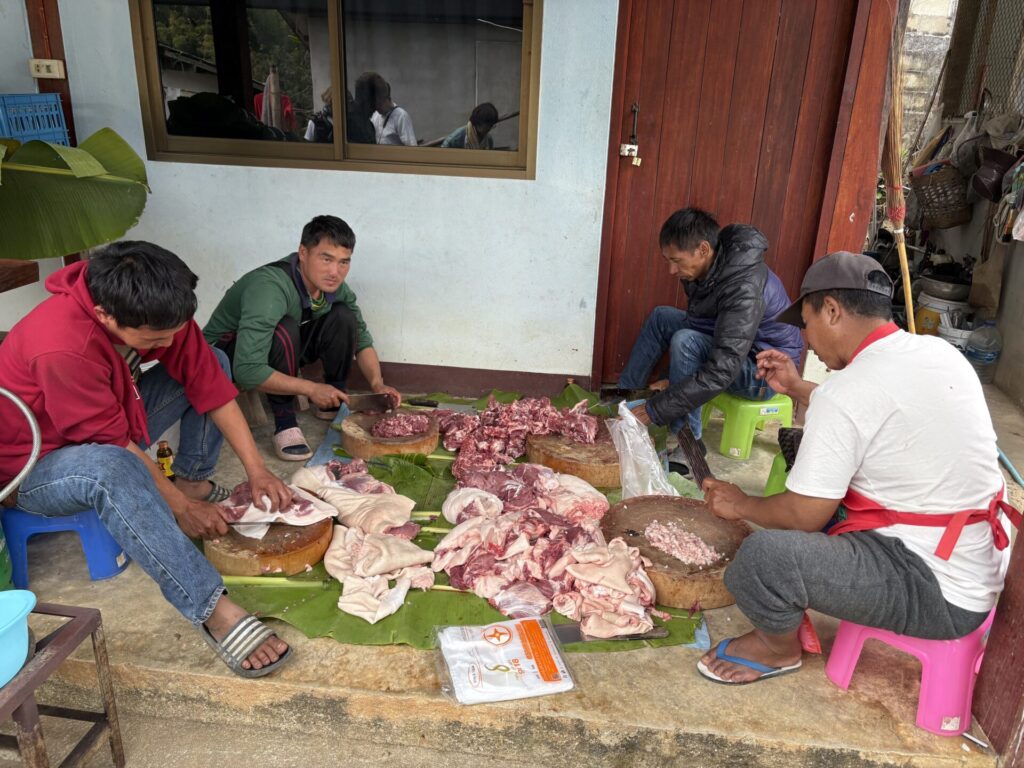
841 270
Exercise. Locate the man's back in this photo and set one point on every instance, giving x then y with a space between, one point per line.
905 424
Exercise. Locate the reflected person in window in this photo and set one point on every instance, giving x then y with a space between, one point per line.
476 134
358 128
393 124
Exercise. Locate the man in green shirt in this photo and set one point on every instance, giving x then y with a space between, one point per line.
289 313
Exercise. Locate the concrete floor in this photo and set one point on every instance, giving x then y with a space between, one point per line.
368 706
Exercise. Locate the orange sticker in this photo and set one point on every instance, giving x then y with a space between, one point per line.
532 637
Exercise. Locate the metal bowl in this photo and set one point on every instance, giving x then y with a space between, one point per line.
940 289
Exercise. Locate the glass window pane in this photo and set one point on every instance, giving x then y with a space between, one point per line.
433 72
245 69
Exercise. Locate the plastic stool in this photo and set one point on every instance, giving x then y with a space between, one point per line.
103 555
948 671
742 417
776 477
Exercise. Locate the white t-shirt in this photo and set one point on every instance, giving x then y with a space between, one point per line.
906 425
394 128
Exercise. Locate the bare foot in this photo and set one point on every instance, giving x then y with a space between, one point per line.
659 385
225 616
194 489
770 650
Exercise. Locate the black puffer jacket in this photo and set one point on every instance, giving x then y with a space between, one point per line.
728 305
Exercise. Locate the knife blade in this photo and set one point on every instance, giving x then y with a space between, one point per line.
363 403
694 456
571 633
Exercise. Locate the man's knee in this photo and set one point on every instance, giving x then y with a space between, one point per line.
341 317
761 553
690 344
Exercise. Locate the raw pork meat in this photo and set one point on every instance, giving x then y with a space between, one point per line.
463 503
681 544
240 506
498 435
371 513
401 425
339 474
544 548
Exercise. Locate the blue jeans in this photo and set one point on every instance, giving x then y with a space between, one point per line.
117 484
200 442
668 328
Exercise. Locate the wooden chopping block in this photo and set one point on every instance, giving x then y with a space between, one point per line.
679 585
289 548
597 462
358 440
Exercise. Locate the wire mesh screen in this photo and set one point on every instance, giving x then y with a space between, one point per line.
994 56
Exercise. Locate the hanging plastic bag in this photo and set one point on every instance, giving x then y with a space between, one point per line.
640 468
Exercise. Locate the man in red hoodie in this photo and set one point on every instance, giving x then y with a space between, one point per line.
75 360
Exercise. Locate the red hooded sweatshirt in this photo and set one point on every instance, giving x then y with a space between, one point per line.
61 361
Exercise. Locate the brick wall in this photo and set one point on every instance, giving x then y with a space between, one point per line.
929 27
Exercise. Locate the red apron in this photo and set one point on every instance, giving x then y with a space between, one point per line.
863 514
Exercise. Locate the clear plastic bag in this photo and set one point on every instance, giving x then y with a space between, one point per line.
515 659
640 468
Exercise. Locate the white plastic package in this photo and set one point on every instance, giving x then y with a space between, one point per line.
515 659
640 469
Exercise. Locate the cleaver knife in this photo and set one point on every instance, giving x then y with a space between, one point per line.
694 456
363 403
571 633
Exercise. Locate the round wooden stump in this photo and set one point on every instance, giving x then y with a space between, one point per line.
679 585
597 462
285 550
358 440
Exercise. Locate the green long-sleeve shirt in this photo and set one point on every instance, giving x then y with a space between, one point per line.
253 307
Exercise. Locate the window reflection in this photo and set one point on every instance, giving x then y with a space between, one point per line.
438 72
237 69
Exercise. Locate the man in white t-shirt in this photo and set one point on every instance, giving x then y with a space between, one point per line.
898 462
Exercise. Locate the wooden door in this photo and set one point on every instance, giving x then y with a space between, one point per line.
738 103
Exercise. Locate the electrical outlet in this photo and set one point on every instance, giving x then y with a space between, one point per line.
52 69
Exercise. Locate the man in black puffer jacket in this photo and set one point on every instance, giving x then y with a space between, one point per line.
733 299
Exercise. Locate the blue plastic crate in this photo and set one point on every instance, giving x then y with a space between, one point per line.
28 116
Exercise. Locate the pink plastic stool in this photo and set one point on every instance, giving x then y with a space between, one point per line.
948 671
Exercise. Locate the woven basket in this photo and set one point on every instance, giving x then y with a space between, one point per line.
943 198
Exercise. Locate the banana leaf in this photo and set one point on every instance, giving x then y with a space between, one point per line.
425 481
571 395
313 609
56 200
499 395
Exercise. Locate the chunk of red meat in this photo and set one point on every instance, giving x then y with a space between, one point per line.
241 499
521 600
408 531
401 425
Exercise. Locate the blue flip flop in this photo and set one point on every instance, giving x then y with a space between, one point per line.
764 669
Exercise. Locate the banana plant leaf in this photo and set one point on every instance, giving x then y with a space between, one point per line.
310 604
56 200
572 394
499 395
427 482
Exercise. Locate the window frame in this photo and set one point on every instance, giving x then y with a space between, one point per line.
339 156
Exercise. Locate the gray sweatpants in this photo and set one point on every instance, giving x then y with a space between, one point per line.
862 577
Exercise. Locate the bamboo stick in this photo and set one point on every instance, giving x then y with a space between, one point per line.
892 167
272 581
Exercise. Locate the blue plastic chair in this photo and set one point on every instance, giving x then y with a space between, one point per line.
103 555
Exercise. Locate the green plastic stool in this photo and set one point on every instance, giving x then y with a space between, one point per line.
742 417
776 477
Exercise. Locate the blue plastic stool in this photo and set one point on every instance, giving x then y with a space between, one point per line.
103 555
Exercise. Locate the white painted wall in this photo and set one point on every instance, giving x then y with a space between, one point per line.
15 49
480 273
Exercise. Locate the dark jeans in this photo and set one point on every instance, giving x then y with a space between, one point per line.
330 338
863 577
667 328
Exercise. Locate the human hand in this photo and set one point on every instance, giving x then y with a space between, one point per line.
725 500
778 371
266 485
393 394
201 519
326 397
640 411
